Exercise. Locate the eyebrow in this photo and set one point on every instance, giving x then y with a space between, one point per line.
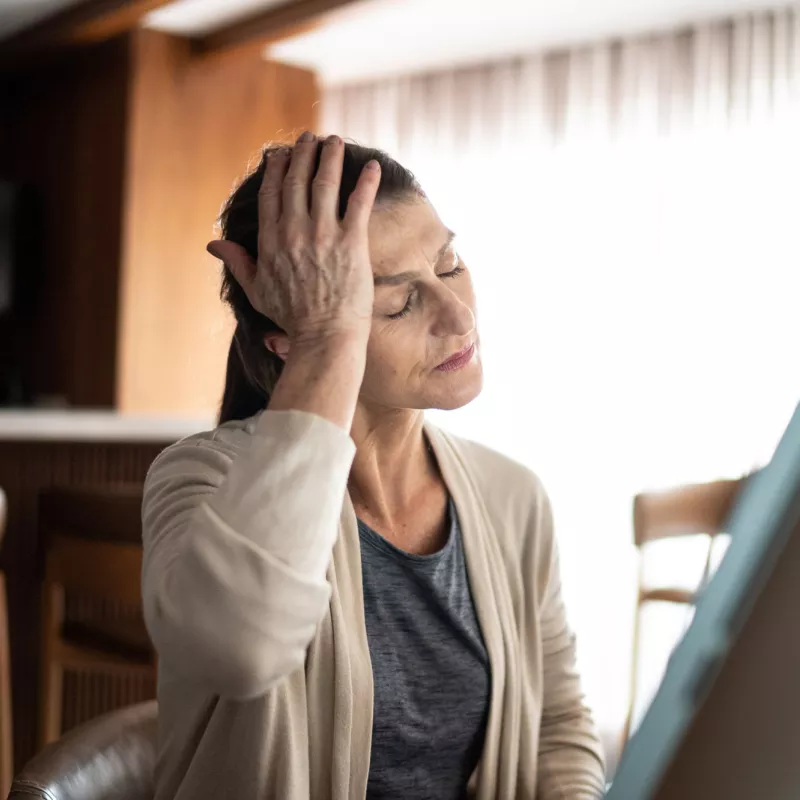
405 277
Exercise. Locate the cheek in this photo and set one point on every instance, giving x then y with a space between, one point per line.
394 353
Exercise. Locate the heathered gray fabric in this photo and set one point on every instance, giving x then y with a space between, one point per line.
430 667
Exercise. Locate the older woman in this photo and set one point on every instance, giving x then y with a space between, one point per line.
347 602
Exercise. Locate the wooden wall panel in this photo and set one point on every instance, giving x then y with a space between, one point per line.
194 126
134 145
25 469
65 134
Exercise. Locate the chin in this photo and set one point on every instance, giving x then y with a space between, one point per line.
459 389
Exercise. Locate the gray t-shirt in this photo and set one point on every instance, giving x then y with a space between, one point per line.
430 669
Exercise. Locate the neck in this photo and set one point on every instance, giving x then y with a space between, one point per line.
393 466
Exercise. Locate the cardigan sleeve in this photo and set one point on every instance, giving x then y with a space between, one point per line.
570 760
238 534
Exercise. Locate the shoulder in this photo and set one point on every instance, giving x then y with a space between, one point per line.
203 456
517 508
492 468
512 493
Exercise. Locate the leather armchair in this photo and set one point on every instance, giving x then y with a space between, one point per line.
110 758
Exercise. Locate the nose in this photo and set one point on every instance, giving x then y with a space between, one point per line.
453 315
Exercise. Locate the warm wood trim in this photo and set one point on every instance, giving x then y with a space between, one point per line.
89 21
267 27
679 596
693 509
86 659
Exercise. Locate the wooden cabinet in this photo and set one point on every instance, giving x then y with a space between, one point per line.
134 144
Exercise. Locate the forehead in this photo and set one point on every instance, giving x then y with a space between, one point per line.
405 231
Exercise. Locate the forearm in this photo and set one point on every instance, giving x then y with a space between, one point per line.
570 759
323 377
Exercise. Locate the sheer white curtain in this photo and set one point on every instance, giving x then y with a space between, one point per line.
630 214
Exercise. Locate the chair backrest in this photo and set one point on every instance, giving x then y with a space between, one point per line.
95 569
107 512
96 654
685 511
110 758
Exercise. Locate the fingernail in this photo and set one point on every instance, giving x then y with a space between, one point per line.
306 136
372 165
333 140
211 249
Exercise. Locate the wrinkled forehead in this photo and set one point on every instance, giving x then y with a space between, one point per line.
405 232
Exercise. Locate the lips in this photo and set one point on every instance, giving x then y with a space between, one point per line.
458 360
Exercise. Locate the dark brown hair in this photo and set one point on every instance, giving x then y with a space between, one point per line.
252 370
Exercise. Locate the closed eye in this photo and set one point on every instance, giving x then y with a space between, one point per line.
454 273
404 312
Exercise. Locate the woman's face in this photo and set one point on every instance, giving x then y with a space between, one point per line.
424 313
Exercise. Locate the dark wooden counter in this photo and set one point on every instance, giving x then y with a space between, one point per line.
44 450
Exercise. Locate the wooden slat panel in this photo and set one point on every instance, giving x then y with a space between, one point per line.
87 694
25 469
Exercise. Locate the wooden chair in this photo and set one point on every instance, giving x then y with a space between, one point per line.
685 511
96 654
6 751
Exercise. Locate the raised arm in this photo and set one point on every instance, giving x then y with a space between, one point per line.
237 541
239 527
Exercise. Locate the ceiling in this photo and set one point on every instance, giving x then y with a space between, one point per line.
18 14
198 17
375 38
395 36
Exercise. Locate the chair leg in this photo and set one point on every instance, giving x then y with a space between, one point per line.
50 728
51 688
634 677
6 749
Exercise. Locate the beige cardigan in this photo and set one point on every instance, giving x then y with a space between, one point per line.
265 681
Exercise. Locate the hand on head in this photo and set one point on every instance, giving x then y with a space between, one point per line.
312 276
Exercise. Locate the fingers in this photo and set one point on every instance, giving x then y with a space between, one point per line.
269 193
359 205
236 259
297 182
325 187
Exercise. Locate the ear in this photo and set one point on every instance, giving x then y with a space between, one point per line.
277 343
236 258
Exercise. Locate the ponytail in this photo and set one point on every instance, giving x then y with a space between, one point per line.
241 398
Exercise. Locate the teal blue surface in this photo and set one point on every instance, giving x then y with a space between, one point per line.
760 527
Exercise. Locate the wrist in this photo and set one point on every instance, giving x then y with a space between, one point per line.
352 340
346 353
323 375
